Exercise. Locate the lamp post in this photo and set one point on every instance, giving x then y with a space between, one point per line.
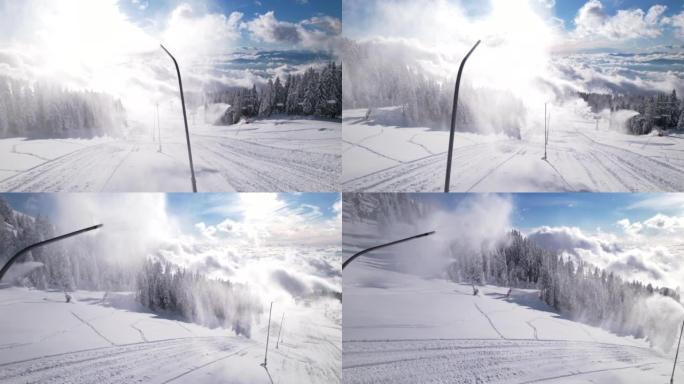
185 118
453 118
349 260
17 255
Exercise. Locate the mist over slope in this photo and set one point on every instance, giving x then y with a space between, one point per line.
476 244
223 276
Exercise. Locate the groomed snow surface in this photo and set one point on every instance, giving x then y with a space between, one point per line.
380 156
112 340
279 154
400 328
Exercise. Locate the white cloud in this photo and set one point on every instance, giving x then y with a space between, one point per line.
591 21
646 250
631 229
267 220
664 223
314 33
661 201
141 4
206 231
677 22
195 34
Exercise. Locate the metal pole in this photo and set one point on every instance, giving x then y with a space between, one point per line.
268 333
349 260
548 131
185 118
453 118
677 354
281 330
40 244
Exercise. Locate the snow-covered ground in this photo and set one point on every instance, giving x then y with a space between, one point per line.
401 328
45 340
278 154
378 156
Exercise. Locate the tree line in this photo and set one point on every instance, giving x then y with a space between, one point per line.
43 110
164 287
312 93
573 287
656 111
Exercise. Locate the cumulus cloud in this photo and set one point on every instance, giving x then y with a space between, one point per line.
645 250
677 22
267 220
591 21
314 33
200 34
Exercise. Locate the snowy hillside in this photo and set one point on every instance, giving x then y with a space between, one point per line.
265 155
150 301
380 155
400 328
407 319
114 340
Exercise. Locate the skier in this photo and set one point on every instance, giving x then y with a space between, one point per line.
67 297
508 294
475 290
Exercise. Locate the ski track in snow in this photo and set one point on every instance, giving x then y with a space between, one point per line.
251 166
140 331
268 160
155 362
576 161
93 328
490 321
484 361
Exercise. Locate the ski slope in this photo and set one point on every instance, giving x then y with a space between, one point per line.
45 340
401 328
380 156
264 155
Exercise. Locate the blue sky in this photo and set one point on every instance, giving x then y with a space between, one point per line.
209 208
213 208
154 14
287 10
587 24
587 211
567 9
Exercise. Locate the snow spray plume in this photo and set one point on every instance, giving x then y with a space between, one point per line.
116 56
20 270
135 224
657 318
517 37
478 221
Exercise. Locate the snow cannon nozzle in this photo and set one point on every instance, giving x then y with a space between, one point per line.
349 260
17 255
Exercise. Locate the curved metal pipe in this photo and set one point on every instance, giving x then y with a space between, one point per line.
349 260
40 244
185 119
453 118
